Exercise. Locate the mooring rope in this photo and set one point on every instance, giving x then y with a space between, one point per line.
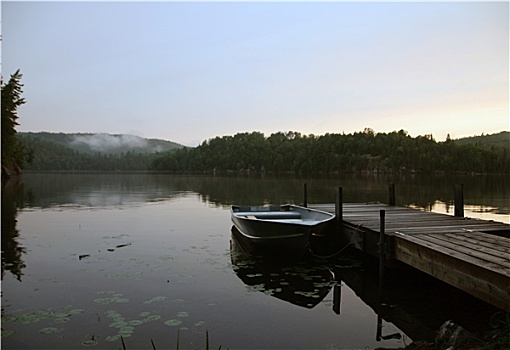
329 256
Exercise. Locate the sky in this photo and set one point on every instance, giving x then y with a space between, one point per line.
189 71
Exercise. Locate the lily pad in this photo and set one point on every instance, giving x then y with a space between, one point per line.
89 342
103 301
28 319
158 298
118 318
151 318
76 311
173 323
62 320
182 314
9 318
49 330
145 313
135 322
42 314
7 333
118 324
112 337
127 330
112 314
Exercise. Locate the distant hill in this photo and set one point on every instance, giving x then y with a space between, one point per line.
500 140
100 143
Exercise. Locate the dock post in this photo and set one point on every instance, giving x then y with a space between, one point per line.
337 297
339 207
459 200
382 247
305 196
391 192
378 335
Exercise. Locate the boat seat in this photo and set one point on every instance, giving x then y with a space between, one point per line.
270 215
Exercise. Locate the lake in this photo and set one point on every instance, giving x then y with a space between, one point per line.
88 258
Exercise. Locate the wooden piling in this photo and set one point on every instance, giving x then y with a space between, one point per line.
339 206
382 246
337 297
305 195
459 200
391 193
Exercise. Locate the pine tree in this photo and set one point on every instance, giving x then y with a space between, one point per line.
13 152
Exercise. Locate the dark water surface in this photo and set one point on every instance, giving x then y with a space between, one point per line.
87 258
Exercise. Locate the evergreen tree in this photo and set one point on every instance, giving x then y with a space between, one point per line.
13 152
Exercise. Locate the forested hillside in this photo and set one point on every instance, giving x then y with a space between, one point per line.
104 152
365 151
500 140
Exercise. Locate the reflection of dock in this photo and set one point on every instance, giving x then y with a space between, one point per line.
472 255
415 303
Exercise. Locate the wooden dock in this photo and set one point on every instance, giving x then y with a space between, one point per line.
470 254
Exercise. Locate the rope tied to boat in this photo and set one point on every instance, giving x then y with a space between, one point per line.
328 256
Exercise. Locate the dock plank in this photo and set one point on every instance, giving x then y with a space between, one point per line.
485 256
467 273
460 251
498 244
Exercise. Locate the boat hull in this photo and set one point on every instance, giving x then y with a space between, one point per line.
285 229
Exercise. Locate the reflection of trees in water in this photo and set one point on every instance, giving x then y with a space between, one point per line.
417 190
12 251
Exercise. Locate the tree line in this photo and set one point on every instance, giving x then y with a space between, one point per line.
365 151
281 152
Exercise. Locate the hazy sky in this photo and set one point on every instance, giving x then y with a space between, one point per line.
187 72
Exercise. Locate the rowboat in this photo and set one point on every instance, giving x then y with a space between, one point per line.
286 228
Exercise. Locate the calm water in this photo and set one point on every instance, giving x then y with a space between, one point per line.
89 257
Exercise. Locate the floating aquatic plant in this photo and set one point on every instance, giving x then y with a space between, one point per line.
173 323
254 275
118 324
62 320
112 337
152 300
151 318
28 319
76 311
9 318
7 333
127 330
135 322
182 314
115 298
49 330
90 342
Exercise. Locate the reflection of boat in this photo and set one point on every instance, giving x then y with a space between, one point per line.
288 226
302 284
